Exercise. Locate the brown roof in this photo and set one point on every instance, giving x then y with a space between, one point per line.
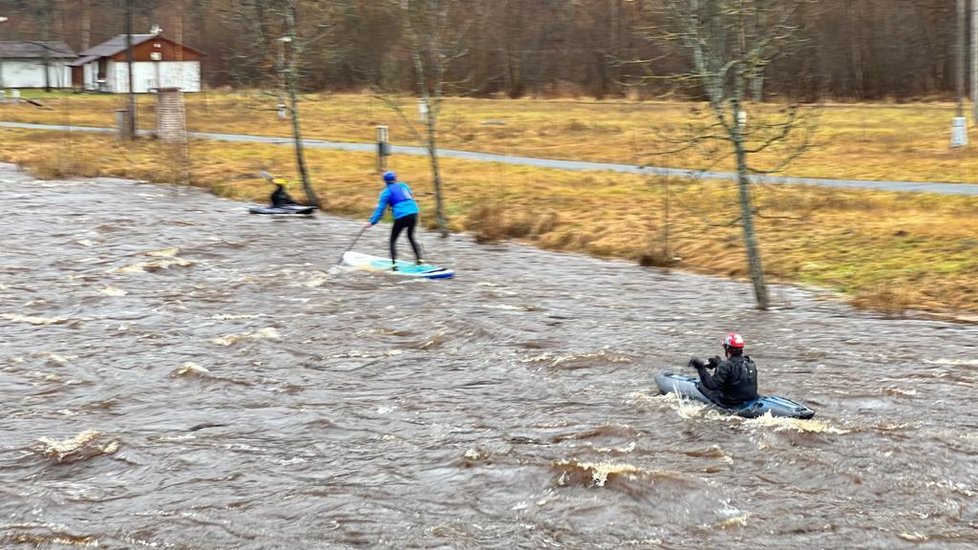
117 44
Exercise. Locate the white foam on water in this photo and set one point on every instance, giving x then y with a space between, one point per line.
36 320
113 291
86 444
267 333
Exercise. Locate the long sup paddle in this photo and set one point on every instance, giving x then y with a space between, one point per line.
349 248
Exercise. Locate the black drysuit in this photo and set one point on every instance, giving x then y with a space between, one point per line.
733 383
280 197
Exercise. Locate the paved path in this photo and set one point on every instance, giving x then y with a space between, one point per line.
916 186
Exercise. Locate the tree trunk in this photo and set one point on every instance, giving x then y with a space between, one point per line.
747 215
129 75
86 24
300 157
290 65
431 99
855 58
960 54
432 134
974 60
613 64
514 73
46 59
757 87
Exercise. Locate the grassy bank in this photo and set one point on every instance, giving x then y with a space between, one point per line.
885 251
880 141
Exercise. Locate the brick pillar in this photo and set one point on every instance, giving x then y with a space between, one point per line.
171 128
171 119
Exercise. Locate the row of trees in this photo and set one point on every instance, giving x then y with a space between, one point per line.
848 49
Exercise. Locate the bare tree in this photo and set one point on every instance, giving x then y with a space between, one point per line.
974 60
434 32
288 67
86 24
536 46
728 44
278 42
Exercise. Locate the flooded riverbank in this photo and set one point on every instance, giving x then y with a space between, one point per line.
178 373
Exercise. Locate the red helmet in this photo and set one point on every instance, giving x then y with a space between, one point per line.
733 340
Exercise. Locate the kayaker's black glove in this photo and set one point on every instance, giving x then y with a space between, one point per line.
714 362
696 363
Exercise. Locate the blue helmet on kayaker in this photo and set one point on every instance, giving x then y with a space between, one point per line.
390 176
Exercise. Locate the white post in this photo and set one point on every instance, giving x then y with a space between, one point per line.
959 132
959 127
974 60
423 111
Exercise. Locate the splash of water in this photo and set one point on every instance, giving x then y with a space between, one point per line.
86 444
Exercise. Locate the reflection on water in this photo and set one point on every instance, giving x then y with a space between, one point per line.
178 373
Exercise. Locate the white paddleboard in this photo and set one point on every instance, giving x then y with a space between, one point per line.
367 262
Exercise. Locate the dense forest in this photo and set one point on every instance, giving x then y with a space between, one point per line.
841 49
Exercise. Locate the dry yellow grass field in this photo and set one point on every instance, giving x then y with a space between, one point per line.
885 251
877 141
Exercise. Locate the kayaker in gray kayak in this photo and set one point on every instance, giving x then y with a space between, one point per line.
280 197
734 380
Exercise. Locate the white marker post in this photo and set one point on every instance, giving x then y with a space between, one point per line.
959 132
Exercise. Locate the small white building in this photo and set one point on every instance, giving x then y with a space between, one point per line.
158 62
35 64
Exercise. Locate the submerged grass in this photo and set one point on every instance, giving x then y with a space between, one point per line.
886 251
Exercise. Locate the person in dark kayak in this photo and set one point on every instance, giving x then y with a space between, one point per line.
399 198
734 380
280 197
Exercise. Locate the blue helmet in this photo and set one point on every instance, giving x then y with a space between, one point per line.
390 177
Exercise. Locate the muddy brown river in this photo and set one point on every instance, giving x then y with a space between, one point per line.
178 374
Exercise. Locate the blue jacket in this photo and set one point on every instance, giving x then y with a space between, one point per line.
399 198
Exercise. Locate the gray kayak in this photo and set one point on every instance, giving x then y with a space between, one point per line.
288 210
686 386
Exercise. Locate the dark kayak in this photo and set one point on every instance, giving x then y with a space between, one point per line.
774 405
289 210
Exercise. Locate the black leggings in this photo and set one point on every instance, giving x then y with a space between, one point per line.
407 222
